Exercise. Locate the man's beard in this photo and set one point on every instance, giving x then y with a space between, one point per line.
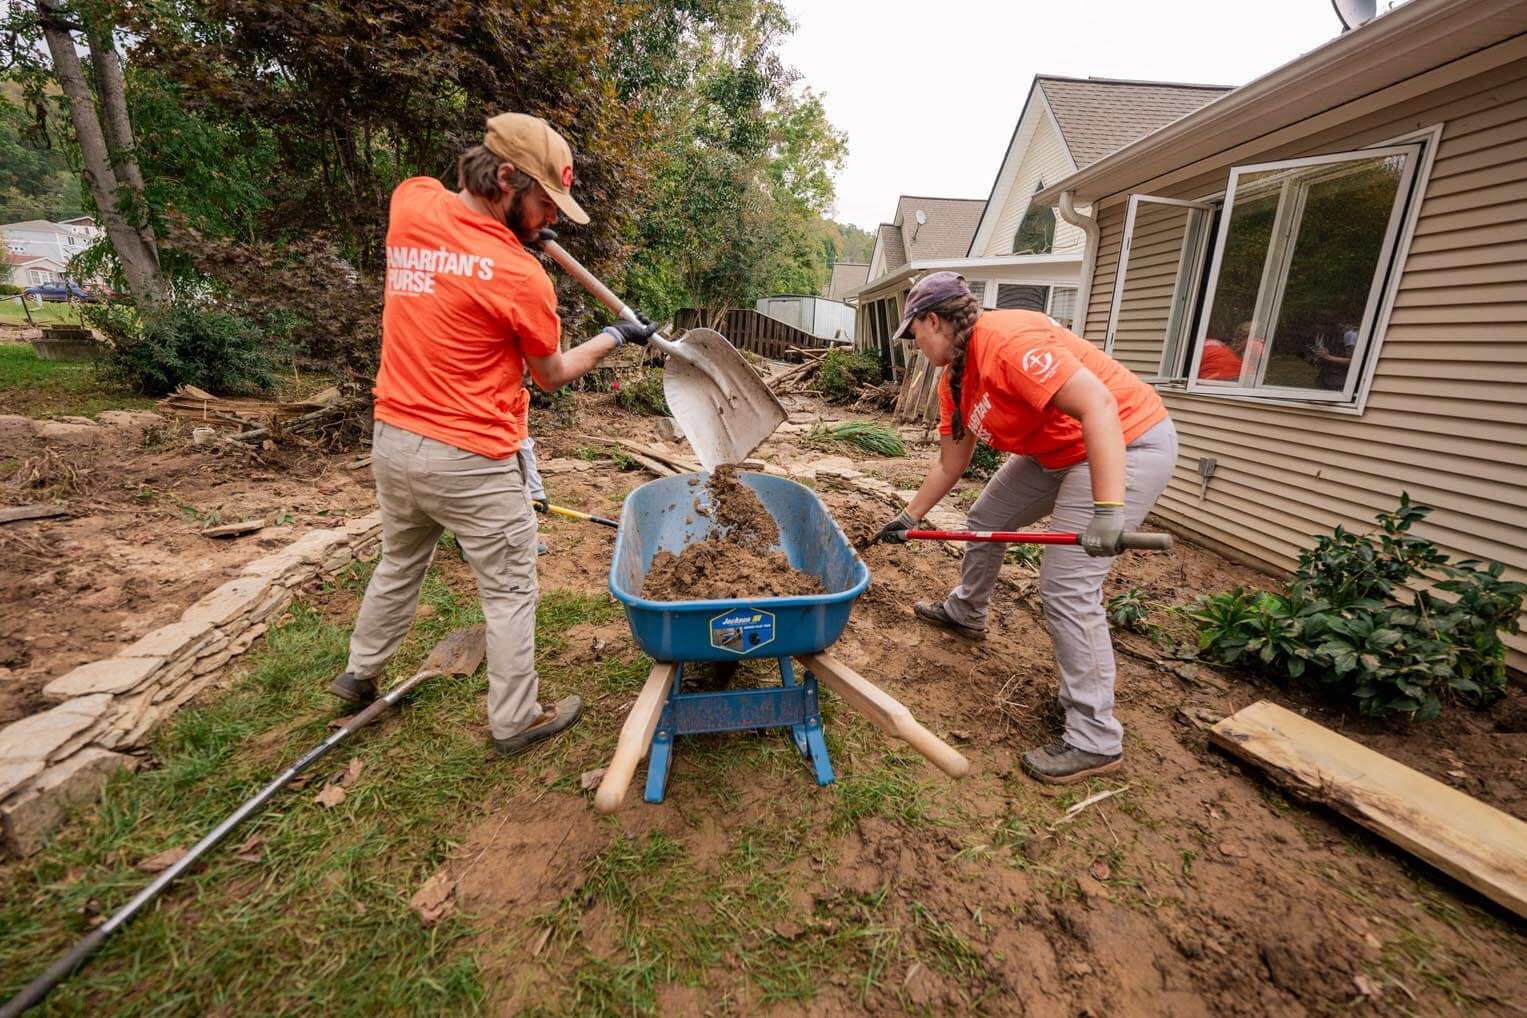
516 218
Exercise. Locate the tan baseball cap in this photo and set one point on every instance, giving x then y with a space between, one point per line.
534 148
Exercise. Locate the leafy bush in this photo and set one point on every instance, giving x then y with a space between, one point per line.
187 344
1129 610
843 374
1346 619
871 436
984 461
10 289
643 394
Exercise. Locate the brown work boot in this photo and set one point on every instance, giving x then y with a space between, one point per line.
553 722
933 611
1063 764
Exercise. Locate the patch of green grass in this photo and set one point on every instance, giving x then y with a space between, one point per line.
892 791
643 393
40 388
321 923
50 313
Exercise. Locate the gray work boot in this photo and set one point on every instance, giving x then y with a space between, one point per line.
933 611
1063 764
352 690
562 717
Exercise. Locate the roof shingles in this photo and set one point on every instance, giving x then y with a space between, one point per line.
1098 116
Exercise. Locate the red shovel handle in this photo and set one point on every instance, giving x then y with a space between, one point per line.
1135 541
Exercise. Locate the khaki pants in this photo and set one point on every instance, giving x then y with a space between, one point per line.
1070 580
426 487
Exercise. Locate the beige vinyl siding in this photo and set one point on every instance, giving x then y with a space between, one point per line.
1446 417
1044 159
1150 280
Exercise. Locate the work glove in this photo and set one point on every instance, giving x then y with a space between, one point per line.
1102 536
632 332
542 505
895 532
542 237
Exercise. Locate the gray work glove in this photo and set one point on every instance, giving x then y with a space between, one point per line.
895 532
1102 536
631 332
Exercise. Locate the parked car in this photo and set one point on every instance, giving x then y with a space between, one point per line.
59 289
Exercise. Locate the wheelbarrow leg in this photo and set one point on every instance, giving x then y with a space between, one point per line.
816 742
797 732
662 744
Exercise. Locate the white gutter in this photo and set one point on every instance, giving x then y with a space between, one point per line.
1089 226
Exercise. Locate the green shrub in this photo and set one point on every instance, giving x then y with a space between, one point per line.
1346 619
843 374
643 394
10 289
984 461
185 344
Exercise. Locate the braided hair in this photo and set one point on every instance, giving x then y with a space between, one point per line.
961 313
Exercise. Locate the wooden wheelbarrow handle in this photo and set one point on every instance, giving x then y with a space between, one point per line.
885 712
635 738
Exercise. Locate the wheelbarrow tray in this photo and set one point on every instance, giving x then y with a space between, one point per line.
661 516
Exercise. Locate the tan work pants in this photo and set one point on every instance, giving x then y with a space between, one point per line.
426 487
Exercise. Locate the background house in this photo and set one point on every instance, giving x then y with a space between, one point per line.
1322 273
29 270
40 238
846 278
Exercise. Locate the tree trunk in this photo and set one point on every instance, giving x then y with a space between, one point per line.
111 87
140 264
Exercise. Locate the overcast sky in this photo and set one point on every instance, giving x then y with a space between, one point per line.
961 69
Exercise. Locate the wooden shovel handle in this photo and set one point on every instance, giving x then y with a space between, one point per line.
635 738
885 712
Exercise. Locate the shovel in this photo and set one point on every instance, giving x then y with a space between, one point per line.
724 409
457 654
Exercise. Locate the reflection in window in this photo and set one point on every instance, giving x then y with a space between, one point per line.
1302 262
1036 234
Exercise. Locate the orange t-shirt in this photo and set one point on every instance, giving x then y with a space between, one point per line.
1219 361
1015 363
465 303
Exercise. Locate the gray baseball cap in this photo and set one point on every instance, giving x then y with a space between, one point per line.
931 291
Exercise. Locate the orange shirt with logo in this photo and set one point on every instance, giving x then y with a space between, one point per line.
465 304
1015 363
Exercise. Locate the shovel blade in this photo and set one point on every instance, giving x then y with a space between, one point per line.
720 430
458 654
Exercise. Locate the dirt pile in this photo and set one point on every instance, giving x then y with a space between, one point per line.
735 561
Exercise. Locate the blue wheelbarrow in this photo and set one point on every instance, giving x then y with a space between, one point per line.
658 517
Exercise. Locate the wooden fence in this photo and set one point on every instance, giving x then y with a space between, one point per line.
758 333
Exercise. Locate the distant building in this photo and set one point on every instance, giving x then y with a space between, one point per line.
44 239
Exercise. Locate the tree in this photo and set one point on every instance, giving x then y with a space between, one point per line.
744 178
105 137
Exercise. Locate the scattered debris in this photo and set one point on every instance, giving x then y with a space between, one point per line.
589 780
330 796
234 529
162 861
435 900
15 514
1091 800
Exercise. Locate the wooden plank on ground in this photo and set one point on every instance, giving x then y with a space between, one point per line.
15 514
1475 843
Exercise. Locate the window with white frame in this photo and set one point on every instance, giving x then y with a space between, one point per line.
1063 305
1036 233
1291 269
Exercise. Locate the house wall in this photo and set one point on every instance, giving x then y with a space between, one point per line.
1045 158
45 243
1446 418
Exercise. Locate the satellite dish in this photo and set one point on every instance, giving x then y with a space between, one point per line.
1354 12
922 217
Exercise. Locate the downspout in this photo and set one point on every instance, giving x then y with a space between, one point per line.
1089 226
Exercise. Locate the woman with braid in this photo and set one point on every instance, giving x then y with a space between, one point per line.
1092 447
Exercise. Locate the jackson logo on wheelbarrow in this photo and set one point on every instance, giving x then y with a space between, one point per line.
742 632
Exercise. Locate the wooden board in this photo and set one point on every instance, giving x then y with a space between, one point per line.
15 514
1475 843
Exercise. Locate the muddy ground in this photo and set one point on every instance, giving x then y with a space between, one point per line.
129 557
1198 889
